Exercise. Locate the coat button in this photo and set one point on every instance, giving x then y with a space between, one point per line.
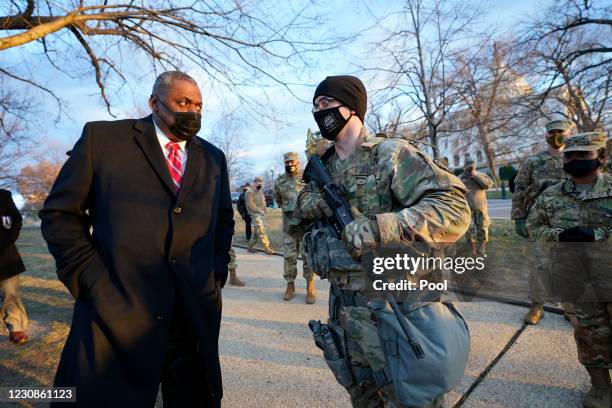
159 316
172 261
177 210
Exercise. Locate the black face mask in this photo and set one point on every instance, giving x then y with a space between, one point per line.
259 187
186 124
330 122
581 168
291 169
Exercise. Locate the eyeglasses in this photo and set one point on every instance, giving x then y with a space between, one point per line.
323 104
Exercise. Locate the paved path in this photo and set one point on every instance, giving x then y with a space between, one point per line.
500 208
270 360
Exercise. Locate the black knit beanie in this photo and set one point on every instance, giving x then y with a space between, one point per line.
347 89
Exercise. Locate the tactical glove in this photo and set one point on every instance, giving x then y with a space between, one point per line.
361 234
577 234
520 225
312 206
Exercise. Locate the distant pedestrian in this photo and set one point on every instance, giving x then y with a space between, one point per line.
244 213
12 311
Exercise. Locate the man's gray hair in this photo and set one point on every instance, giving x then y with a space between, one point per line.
165 79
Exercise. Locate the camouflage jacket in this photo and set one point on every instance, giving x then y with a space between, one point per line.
535 175
392 181
255 202
560 207
476 185
286 190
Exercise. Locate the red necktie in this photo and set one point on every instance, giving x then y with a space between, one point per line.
175 164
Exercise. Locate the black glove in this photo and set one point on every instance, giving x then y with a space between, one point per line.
520 225
577 234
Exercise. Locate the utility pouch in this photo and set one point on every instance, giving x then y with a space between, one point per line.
331 340
443 335
326 253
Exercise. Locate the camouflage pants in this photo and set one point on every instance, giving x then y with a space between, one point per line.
292 248
260 231
479 227
593 334
232 263
366 352
12 311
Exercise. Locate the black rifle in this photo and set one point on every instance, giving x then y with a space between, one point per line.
315 172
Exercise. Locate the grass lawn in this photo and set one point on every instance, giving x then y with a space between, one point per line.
49 304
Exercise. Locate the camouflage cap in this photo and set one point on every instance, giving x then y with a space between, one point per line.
581 142
291 156
559 125
258 178
469 162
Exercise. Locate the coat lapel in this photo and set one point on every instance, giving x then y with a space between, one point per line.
147 140
195 159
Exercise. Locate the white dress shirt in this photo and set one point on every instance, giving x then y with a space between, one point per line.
163 140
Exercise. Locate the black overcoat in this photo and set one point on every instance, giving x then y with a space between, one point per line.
10 261
147 248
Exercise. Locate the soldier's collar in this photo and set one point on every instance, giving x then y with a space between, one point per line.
367 140
601 185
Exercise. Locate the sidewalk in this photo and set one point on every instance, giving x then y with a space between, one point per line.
269 359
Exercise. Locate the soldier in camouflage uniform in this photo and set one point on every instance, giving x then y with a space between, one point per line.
256 206
535 175
286 188
232 266
397 194
477 183
579 209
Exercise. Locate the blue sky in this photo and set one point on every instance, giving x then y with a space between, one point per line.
264 142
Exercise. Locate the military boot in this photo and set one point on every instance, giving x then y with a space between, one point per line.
290 291
251 247
268 250
473 248
599 394
310 291
482 248
535 314
234 281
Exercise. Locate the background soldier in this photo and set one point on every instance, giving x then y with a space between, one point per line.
12 311
398 194
579 210
256 207
232 267
535 175
286 188
477 183
244 213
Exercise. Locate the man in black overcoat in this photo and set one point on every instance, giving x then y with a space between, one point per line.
12 310
140 223
242 210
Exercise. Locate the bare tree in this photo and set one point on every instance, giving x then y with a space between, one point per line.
35 181
490 90
235 43
570 52
229 135
17 143
416 61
